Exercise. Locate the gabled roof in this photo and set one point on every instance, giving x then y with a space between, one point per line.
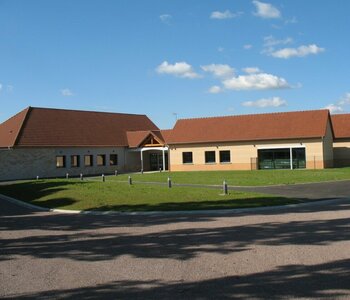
271 126
45 127
136 138
341 126
10 129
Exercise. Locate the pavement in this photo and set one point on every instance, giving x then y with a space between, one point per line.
298 252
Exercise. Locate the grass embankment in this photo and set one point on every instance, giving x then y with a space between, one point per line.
244 178
110 195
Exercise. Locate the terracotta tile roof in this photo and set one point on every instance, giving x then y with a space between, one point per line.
135 138
341 126
271 126
46 127
10 129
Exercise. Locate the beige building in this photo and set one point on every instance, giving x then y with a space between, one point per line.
54 142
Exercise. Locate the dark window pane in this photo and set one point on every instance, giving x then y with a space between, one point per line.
210 157
225 156
187 158
113 159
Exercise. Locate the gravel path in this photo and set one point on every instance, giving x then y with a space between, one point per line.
301 252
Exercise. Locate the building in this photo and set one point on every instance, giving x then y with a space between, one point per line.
341 145
53 142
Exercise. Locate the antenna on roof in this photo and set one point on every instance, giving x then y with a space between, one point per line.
175 115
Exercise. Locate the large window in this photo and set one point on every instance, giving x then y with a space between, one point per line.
210 157
101 160
225 156
75 161
280 158
88 160
60 161
113 159
187 158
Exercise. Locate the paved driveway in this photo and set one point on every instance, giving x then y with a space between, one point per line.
300 252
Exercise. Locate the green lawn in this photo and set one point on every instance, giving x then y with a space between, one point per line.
243 178
111 195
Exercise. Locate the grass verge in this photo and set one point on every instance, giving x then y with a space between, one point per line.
111 195
243 178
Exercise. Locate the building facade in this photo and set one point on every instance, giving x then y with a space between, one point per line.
55 142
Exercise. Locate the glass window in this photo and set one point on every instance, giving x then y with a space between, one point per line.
101 160
225 156
60 161
210 157
113 159
75 161
187 158
88 160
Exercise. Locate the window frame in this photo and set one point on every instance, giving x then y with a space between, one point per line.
78 161
221 158
110 159
206 153
91 160
103 157
189 162
63 161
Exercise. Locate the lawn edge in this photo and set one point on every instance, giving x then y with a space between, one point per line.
155 213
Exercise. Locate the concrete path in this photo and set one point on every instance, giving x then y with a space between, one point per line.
301 252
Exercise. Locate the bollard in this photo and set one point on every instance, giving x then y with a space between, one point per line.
103 178
81 176
130 180
224 187
37 177
116 172
67 176
169 182
160 169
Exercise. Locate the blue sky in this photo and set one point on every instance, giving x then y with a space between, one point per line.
192 58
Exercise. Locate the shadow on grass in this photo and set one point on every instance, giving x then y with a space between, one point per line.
321 281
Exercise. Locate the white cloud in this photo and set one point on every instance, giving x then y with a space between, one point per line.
252 70
224 15
292 20
0 86
271 41
247 46
262 81
221 49
333 108
339 105
215 89
297 52
219 70
266 10
266 102
165 18
179 69
66 92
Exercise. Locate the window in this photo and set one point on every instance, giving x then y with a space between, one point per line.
60 161
75 161
210 157
225 156
88 160
113 159
101 160
187 158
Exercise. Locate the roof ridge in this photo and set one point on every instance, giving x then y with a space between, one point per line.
87 111
256 114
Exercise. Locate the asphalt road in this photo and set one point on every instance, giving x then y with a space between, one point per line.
301 252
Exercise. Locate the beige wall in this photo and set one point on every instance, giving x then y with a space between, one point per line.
28 163
341 150
242 154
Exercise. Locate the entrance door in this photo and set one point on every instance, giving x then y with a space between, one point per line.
156 161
